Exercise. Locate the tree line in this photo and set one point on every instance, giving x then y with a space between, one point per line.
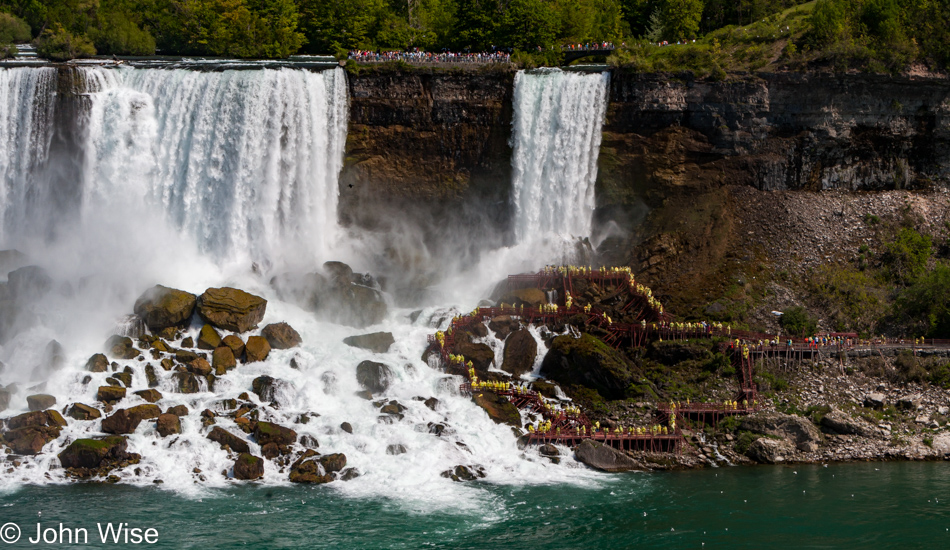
892 32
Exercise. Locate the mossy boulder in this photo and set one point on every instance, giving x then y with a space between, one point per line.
586 361
528 297
150 395
83 412
125 421
498 408
481 355
248 467
93 453
309 470
268 432
231 309
28 433
162 307
110 394
605 458
208 338
281 336
235 344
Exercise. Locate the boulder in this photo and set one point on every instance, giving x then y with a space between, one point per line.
222 360
200 366
304 290
766 450
800 431
54 357
124 377
208 338
267 432
875 400
125 421
162 307
178 410
248 467
374 377
149 395
333 462
26 420
257 349
235 344
168 424
94 453
528 297
266 387
586 361
281 336
498 408
909 402
83 412
231 309
187 382
503 325
377 342
396 449
481 355
110 394
839 422
151 376
30 440
226 438
55 419
184 356
604 458
521 349
309 470
40 402
463 473
346 427
121 347
5 396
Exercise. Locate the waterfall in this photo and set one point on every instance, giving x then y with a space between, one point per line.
244 163
556 137
26 129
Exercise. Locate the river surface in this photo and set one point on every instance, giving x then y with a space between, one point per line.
867 505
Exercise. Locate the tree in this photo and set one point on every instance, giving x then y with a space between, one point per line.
58 44
681 18
926 303
529 24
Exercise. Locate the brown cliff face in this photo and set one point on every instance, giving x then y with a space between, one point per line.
430 146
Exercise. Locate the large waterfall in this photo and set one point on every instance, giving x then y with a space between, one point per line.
556 136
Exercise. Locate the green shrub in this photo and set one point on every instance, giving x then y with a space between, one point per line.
13 29
58 44
797 321
117 34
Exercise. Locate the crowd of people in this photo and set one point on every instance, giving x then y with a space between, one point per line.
587 46
418 56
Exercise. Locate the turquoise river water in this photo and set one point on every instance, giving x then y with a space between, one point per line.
868 505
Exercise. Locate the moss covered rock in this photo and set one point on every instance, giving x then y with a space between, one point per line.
257 349
498 408
248 467
281 336
587 361
110 394
162 307
521 349
208 338
97 363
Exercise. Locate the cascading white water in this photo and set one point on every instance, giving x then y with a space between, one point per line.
556 137
26 128
246 162
186 177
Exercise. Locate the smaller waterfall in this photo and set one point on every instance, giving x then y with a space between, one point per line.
556 137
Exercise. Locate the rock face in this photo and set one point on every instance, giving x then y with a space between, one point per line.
377 342
248 467
604 458
281 336
589 362
374 377
765 450
231 309
498 408
800 431
521 350
162 307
